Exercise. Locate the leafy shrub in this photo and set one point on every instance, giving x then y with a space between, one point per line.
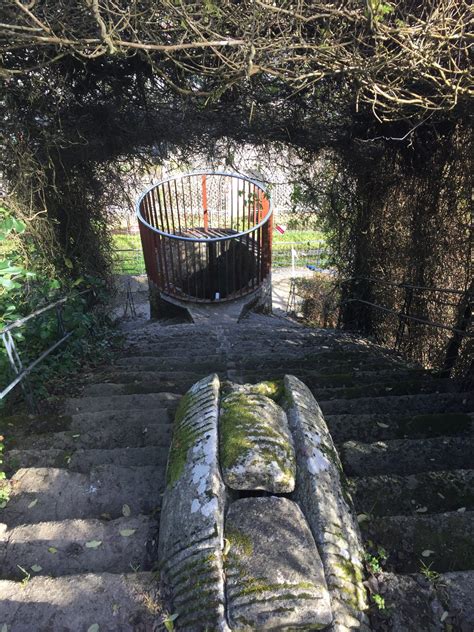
27 284
321 296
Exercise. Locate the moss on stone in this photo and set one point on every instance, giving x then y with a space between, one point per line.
183 439
238 421
240 541
350 571
259 585
196 567
271 388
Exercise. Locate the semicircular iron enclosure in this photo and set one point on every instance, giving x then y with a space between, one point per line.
206 236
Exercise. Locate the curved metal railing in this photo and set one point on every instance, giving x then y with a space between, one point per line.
206 236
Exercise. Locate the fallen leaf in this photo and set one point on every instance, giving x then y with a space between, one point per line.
421 510
427 553
32 503
52 549
93 628
93 544
126 511
226 548
444 616
381 425
461 509
4 628
362 517
36 568
127 532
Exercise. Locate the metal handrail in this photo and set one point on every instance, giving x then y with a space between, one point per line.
12 352
22 321
204 240
406 285
409 317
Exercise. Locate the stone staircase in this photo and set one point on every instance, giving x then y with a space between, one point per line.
78 537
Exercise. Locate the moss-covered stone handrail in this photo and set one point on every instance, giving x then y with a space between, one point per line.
257 528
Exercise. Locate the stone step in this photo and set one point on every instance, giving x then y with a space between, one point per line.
413 603
18 428
149 401
248 367
260 345
401 404
84 460
407 456
149 385
393 494
177 380
381 387
122 375
70 547
105 602
134 387
53 494
445 541
114 435
383 427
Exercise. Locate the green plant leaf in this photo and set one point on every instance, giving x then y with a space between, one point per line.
93 544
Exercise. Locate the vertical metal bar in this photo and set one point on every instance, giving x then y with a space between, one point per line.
17 367
185 217
204 203
175 243
178 206
402 320
157 242
169 243
59 318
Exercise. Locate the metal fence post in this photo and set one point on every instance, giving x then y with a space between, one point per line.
404 313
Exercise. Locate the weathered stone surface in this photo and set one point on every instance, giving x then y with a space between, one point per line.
275 579
77 546
411 603
448 536
320 491
407 456
256 448
108 602
191 528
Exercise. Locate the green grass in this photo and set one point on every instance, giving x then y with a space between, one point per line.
297 235
128 255
129 259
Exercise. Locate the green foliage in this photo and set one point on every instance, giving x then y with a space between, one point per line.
4 488
379 601
320 296
13 272
375 558
27 284
168 621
